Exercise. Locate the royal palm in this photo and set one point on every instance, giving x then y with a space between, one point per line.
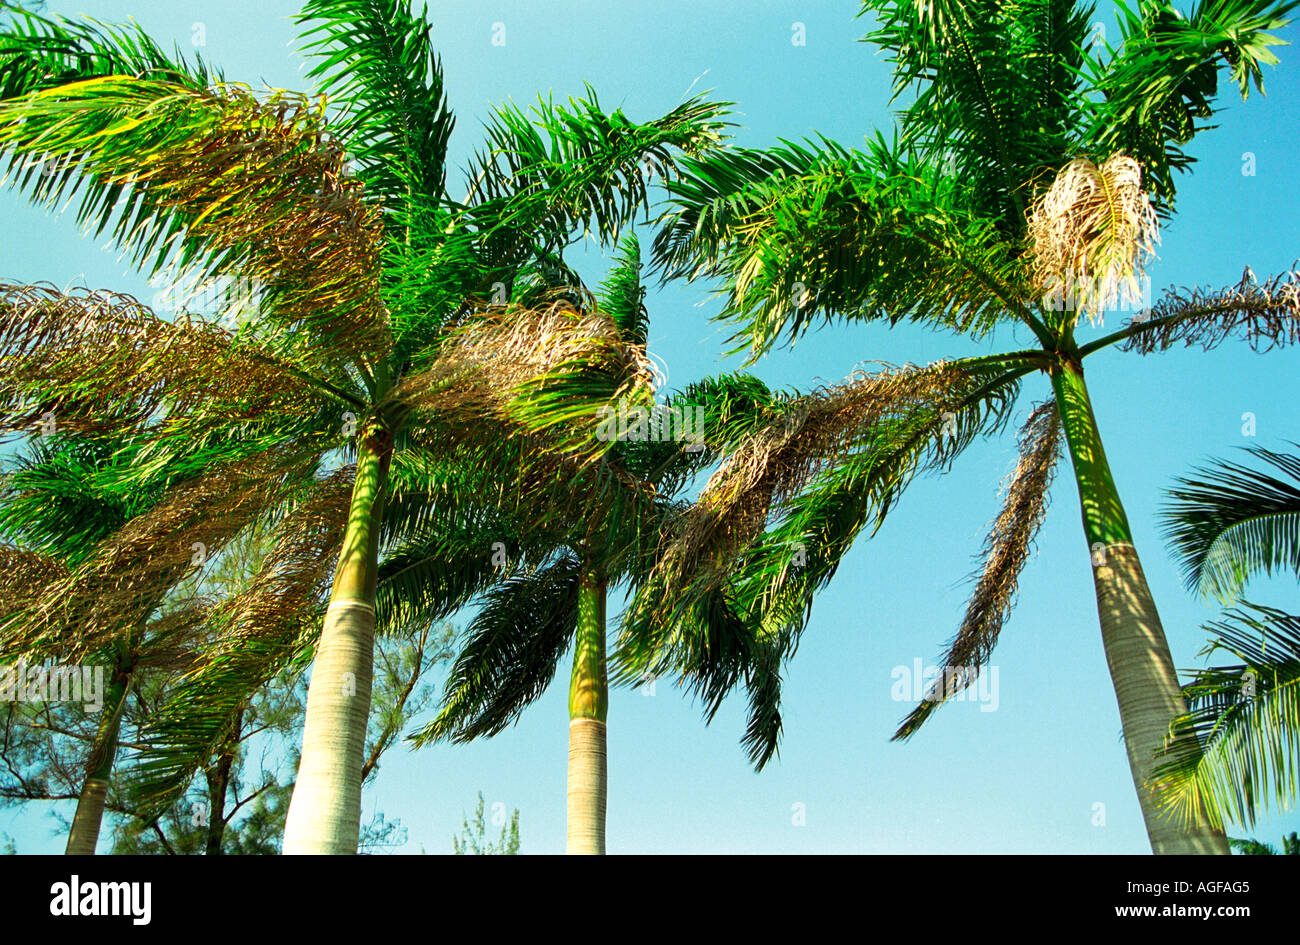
1023 186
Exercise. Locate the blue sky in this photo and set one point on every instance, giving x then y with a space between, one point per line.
1025 778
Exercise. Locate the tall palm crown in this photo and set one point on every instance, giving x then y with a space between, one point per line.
1024 184
377 337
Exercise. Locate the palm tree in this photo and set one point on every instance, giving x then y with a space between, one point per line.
1023 186
561 570
376 337
1228 523
61 506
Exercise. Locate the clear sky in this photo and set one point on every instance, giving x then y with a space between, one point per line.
1024 778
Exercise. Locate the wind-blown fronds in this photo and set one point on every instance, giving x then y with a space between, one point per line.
1236 753
1263 314
1230 522
809 434
548 368
38 52
130 571
1006 551
698 626
511 652
24 576
93 360
265 630
1090 233
248 187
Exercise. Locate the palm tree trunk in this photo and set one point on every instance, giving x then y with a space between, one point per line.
588 708
1137 652
84 833
325 810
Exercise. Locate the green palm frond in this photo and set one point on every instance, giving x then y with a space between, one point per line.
1157 89
800 232
714 651
56 501
1229 522
622 297
377 57
126 577
1236 754
993 88
558 172
511 651
38 52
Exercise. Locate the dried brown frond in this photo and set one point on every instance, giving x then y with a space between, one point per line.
24 576
1006 551
777 461
292 585
131 571
93 360
1264 314
1091 232
536 366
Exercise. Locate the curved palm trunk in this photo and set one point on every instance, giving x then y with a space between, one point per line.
325 810
1137 652
588 708
84 833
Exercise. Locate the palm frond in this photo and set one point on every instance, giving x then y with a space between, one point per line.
377 57
1263 314
774 578
557 172
549 370
1158 88
1006 551
1236 754
1229 522
810 434
246 187
129 573
799 232
267 629
38 52
511 652
993 91
94 360
622 297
